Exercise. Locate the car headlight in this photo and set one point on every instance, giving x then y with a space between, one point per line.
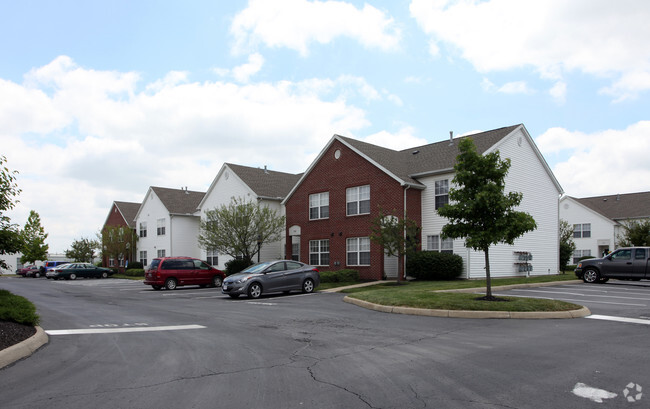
579 265
243 280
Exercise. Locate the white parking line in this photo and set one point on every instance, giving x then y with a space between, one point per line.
619 319
114 330
578 294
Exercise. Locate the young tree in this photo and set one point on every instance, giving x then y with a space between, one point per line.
398 237
635 233
567 246
33 237
240 228
10 240
479 211
82 250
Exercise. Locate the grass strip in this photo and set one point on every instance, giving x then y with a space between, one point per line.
17 309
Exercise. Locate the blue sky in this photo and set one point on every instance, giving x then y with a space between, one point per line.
100 100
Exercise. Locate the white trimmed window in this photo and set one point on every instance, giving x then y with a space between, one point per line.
578 254
160 229
111 262
143 229
442 193
319 206
295 248
358 200
437 243
161 253
358 251
212 257
143 258
319 252
582 230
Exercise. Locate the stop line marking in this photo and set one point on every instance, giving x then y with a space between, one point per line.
619 319
116 330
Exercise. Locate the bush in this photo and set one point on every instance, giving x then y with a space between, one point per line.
18 309
134 272
236 265
135 265
341 276
432 265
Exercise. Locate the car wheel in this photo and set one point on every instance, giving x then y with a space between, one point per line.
37 275
255 290
73 276
234 295
104 274
170 284
308 286
156 287
217 281
591 276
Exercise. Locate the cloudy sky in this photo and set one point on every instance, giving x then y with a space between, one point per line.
100 100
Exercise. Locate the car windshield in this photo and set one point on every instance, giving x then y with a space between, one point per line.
258 268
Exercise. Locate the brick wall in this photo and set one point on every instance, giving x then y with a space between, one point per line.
334 175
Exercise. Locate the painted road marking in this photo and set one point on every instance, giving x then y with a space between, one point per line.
115 330
619 319
600 296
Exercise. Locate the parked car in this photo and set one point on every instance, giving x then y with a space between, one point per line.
171 272
628 263
23 271
272 276
50 265
72 271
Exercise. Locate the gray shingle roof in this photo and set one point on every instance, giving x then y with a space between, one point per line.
266 183
619 207
429 158
129 211
179 201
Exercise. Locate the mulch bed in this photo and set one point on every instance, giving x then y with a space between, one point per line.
12 333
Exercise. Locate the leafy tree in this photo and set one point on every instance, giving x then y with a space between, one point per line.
33 237
567 246
635 233
118 242
82 250
479 211
398 237
240 228
10 239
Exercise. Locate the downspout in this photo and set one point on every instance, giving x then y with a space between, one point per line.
171 245
404 269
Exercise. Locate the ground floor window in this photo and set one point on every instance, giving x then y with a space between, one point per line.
161 253
578 254
437 243
319 252
143 258
212 257
111 262
358 251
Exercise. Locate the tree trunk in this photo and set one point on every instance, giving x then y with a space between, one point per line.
488 279
400 268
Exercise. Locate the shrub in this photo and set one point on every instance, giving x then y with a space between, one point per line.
134 265
236 265
134 272
340 276
17 309
432 265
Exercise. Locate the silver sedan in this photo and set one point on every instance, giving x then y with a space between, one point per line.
272 276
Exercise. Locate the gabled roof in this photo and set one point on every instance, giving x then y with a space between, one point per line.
408 165
179 201
620 206
266 183
128 211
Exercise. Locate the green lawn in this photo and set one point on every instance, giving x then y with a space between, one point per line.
422 294
18 309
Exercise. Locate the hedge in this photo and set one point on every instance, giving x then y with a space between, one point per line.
340 276
134 272
433 265
236 265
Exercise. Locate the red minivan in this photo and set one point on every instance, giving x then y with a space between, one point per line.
171 272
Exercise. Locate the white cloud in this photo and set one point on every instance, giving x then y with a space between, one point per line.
514 87
243 72
597 37
295 24
558 92
402 139
605 162
82 138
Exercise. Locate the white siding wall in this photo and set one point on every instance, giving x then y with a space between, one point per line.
184 235
152 210
540 199
603 230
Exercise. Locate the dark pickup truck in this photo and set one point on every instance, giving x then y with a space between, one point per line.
628 263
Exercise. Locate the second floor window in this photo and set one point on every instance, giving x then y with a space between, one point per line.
442 193
160 230
319 206
582 230
143 229
358 200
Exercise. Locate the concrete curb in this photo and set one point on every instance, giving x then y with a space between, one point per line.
23 349
582 312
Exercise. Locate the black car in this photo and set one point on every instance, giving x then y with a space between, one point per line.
73 271
628 263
